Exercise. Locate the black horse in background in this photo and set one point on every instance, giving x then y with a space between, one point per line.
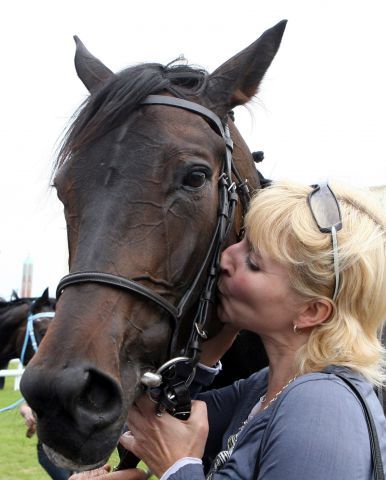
13 326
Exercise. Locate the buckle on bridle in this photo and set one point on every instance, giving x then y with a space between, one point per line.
168 387
202 333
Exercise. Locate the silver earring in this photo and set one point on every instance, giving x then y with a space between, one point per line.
296 332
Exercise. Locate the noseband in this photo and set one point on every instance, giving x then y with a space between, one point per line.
169 385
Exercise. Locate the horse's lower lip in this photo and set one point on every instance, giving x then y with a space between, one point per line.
64 462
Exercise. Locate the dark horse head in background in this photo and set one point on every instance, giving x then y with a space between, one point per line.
13 327
140 187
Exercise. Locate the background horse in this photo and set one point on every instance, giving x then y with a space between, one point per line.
142 183
13 326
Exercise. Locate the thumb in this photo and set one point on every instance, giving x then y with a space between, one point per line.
131 474
127 440
91 473
199 410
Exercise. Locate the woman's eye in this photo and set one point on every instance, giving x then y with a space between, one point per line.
252 265
195 179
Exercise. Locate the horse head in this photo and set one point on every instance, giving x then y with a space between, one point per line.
13 326
138 175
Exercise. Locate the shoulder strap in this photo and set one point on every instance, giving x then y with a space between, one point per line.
374 442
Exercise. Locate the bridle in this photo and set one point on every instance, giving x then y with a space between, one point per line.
169 385
30 331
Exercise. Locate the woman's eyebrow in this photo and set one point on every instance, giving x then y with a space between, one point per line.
255 253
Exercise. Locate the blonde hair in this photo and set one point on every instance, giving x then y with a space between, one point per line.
280 223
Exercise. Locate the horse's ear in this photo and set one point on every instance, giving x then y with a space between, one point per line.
45 296
14 295
43 300
236 81
90 70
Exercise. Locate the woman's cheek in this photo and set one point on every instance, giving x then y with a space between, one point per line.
240 289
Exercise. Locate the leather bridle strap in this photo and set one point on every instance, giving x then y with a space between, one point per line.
173 378
191 106
119 282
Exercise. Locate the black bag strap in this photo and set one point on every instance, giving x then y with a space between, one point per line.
374 442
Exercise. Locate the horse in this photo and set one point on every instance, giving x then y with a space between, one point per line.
150 173
16 341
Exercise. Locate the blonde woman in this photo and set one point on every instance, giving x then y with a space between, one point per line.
309 277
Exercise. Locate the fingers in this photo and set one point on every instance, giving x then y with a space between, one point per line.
144 410
141 416
30 422
199 418
135 419
131 474
102 474
199 409
127 441
98 472
145 405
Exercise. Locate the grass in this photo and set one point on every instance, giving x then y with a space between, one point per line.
18 458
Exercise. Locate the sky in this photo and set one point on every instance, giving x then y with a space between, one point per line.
320 112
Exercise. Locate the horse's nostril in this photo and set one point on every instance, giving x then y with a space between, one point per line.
100 397
84 394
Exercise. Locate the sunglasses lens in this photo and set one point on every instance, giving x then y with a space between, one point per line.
325 209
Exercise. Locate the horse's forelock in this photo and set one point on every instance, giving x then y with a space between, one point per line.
108 107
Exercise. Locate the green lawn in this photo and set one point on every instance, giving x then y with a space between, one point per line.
18 459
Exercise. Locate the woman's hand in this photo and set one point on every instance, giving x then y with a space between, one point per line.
214 348
103 474
29 419
161 441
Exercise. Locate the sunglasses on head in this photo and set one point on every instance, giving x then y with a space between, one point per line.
326 213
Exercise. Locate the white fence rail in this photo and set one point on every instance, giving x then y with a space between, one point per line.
14 372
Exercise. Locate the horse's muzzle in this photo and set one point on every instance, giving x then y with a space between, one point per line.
79 410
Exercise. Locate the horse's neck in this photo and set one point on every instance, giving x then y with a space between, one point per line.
14 316
11 321
243 159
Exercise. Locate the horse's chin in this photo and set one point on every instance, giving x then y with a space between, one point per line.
64 462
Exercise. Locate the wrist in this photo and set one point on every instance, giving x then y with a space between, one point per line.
179 464
215 348
214 369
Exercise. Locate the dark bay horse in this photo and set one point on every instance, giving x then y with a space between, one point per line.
13 327
149 185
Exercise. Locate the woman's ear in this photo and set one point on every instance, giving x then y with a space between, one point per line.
314 313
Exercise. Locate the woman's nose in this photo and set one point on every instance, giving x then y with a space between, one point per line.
227 261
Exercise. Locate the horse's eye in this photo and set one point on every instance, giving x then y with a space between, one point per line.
195 179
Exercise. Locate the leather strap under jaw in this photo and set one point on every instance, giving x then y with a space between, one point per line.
170 384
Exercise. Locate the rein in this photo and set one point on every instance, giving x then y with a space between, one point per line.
30 332
169 385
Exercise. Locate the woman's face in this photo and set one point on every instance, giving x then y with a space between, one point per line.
254 292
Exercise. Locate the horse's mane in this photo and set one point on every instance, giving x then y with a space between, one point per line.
114 101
